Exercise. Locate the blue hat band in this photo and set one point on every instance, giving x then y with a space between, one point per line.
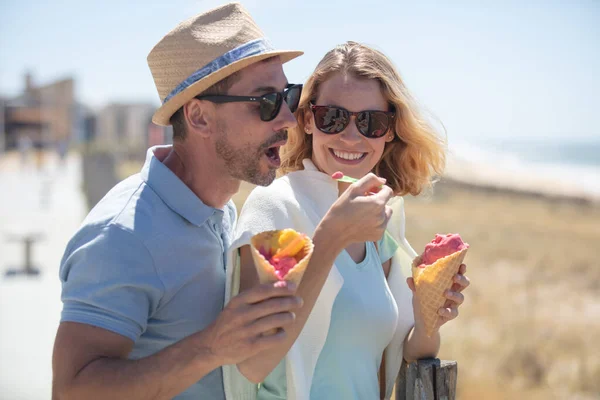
252 48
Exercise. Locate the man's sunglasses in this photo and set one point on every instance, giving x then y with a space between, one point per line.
370 124
270 103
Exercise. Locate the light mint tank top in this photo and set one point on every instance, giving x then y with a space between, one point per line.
363 320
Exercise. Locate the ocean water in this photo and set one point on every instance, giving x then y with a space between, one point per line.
567 168
567 153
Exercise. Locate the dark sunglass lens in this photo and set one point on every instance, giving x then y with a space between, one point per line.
330 119
269 106
372 124
292 97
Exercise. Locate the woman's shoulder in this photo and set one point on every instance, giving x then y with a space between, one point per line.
266 208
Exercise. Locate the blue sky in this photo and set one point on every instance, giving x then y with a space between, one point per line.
518 69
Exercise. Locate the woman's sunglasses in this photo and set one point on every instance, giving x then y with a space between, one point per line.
270 103
370 124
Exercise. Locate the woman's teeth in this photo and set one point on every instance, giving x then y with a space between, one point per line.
348 156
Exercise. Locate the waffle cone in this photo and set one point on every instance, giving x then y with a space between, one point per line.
431 282
266 272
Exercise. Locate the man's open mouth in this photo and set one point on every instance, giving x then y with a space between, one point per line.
272 154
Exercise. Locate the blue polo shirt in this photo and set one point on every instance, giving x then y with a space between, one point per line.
148 263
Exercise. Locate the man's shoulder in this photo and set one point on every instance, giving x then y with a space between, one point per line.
130 206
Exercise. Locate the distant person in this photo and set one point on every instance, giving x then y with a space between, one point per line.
143 280
62 148
24 145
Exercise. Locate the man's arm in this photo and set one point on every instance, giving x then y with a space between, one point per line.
90 362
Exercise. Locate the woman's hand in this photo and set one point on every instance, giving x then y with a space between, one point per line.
454 298
360 214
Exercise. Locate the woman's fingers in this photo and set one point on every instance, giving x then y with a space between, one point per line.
462 281
457 297
411 284
448 313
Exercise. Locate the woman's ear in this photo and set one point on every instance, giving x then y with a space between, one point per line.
307 118
199 116
389 136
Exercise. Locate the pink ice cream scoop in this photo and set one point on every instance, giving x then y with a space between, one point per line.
283 265
442 246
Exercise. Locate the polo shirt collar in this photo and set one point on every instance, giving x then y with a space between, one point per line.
172 191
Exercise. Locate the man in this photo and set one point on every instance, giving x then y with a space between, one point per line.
144 277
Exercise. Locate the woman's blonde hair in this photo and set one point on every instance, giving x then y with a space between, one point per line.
416 155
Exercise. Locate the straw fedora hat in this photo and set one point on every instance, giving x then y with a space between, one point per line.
202 51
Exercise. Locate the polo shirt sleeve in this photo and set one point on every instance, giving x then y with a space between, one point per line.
109 280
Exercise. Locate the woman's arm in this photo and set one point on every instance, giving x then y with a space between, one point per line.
258 367
417 345
354 217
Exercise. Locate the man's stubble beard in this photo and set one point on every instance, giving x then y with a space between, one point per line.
243 162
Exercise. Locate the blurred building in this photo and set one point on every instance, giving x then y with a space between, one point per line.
2 131
50 116
128 127
41 116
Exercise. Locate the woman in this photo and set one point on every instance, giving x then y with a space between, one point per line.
357 117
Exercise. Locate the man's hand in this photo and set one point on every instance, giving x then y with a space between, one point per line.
237 333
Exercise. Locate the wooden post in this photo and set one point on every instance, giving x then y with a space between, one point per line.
428 379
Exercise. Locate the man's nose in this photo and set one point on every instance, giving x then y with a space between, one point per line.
285 119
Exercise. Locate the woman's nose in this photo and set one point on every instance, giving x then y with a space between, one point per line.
351 134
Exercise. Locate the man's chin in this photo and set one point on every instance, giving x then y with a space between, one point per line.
258 179
263 179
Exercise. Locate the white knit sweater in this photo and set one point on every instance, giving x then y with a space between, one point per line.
299 200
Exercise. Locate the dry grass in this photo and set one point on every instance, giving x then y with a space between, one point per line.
530 326
531 322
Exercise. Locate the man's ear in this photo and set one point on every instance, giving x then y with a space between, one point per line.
200 117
